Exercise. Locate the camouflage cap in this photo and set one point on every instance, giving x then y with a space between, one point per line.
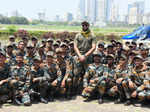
10 46
138 57
50 40
2 52
55 43
34 38
50 53
96 53
123 57
101 44
63 44
110 57
43 40
110 46
25 38
36 58
71 43
11 37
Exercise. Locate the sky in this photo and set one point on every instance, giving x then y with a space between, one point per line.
30 8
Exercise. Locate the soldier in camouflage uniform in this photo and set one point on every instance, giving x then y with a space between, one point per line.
20 49
52 74
92 76
21 81
107 81
120 75
39 83
5 90
136 77
29 55
10 57
84 46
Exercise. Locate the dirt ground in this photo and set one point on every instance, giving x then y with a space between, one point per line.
76 105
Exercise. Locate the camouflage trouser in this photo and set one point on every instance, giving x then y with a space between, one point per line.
5 92
40 87
117 90
143 95
127 90
79 70
102 86
20 91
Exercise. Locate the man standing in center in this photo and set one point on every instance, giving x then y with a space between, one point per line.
84 46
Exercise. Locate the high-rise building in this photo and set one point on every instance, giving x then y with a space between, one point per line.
68 17
136 12
41 15
95 10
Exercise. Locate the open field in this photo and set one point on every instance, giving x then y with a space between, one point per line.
75 106
67 28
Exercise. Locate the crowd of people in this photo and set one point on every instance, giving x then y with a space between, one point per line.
42 70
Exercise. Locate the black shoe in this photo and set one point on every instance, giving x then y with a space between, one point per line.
68 97
17 102
51 99
88 100
128 102
138 103
118 101
100 101
43 101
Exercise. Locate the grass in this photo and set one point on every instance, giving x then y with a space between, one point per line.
119 31
68 28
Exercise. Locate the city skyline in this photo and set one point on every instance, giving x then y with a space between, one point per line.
31 8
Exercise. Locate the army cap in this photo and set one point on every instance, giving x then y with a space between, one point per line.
43 40
34 38
58 40
66 41
10 46
63 44
36 58
50 40
138 57
123 57
101 44
96 53
2 52
110 57
55 43
71 43
50 54
11 37
25 38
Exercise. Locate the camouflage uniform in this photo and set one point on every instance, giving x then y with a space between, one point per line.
52 73
84 44
21 81
5 90
94 73
41 85
137 77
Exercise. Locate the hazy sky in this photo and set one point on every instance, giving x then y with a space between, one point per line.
30 8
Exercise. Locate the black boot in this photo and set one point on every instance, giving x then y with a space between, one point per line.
43 100
89 99
100 100
128 102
